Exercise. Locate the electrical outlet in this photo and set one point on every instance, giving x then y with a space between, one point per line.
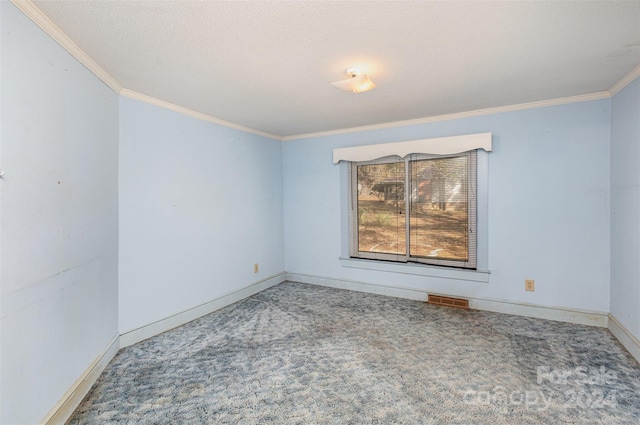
255 268
529 285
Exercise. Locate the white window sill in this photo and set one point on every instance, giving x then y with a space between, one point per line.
417 269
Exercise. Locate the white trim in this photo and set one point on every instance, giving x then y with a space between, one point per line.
561 314
186 111
455 116
417 269
352 285
35 14
626 338
40 19
64 408
436 146
163 325
625 81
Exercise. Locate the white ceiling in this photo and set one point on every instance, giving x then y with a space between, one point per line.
267 65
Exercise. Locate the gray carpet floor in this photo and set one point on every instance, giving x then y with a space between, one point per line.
304 354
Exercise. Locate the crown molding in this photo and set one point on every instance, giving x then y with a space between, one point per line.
40 19
459 115
32 12
186 111
625 81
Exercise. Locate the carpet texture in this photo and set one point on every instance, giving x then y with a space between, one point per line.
304 354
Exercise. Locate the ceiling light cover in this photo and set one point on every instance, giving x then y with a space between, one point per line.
356 83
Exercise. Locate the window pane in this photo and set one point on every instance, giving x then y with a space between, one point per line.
439 216
381 205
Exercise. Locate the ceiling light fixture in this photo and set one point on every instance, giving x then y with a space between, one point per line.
356 83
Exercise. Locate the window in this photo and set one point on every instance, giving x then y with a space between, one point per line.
418 209
416 203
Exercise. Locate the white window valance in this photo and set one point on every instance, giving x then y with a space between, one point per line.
437 146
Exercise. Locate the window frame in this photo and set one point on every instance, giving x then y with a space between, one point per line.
472 190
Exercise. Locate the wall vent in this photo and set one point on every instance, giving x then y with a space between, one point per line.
448 301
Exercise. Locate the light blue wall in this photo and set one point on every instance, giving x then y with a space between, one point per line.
199 205
59 240
548 206
625 207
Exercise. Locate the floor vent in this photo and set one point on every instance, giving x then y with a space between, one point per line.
448 301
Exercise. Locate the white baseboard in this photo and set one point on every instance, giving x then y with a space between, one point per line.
63 410
352 285
156 328
626 338
582 317
559 314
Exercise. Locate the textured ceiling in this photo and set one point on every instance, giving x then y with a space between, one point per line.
268 64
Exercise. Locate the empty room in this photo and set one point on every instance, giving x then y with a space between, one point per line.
319 212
